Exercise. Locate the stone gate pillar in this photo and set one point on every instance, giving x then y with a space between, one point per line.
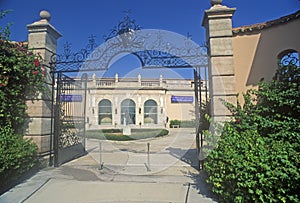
42 40
222 87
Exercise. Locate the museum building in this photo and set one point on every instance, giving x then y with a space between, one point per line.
138 102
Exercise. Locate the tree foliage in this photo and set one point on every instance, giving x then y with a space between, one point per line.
257 156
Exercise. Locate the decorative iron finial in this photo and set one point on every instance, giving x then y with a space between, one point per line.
92 42
127 12
45 15
92 39
67 49
188 35
127 26
215 2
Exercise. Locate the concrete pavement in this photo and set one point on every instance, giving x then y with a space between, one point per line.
125 175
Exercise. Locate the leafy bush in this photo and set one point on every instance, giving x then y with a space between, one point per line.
17 156
175 122
257 156
21 79
21 76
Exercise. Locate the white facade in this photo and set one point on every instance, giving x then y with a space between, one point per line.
138 102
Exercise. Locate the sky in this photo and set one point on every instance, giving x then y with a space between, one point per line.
76 20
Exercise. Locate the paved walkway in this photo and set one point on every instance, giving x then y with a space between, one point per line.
127 173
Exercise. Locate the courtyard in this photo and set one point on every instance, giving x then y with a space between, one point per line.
124 175
70 95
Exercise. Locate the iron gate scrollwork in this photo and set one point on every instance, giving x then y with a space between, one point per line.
69 118
154 49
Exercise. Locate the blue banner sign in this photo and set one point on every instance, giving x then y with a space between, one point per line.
71 98
182 99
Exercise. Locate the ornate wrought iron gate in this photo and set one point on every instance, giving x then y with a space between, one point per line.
69 118
153 48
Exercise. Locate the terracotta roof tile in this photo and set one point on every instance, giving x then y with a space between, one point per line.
261 26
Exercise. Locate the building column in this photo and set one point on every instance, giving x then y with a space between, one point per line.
222 86
42 40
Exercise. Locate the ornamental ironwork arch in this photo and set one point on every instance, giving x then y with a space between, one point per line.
153 48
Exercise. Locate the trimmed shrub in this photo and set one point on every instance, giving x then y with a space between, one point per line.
175 122
116 134
183 124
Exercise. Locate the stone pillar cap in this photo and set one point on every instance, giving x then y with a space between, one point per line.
45 15
43 25
215 2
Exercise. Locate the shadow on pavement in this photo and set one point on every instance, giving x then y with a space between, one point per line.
189 156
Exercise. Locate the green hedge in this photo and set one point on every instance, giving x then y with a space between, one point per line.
175 122
117 135
183 124
17 156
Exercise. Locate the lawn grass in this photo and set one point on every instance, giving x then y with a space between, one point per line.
117 135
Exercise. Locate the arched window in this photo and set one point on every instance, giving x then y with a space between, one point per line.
128 111
150 112
288 66
288 57
104 112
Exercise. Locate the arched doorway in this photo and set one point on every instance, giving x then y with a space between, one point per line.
128 112
104 112
150 112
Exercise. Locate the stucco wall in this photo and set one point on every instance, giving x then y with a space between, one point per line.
180 111
256 53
